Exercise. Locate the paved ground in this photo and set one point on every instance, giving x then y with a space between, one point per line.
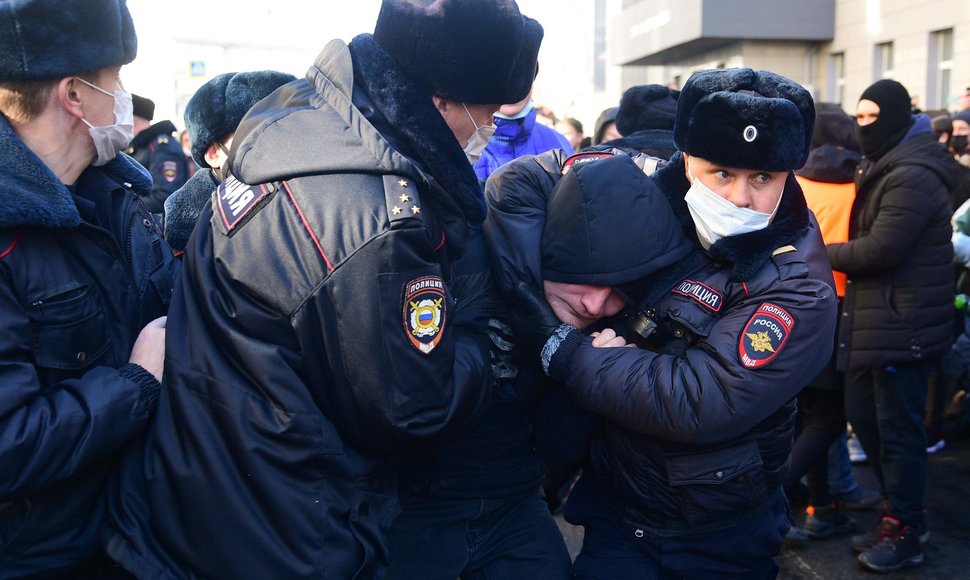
947 556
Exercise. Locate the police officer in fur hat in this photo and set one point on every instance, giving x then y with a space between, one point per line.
211 117
684 479
85 281
158 150
333 307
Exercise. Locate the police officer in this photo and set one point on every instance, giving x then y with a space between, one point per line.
331 317
684 480
158 150
211 117
85 281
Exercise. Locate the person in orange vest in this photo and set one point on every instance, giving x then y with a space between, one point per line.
829 188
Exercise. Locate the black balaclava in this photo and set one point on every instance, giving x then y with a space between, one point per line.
895 118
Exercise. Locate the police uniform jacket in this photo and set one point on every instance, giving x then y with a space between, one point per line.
161 154
82 270
698 429
899 258
326 322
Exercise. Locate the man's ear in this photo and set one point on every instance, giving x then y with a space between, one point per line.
214 156
69 97
686 170
440 104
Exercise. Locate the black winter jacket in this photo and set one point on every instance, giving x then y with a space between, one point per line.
699 429
324 323
81 272
898 304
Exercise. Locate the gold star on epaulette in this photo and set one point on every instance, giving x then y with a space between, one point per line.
403 182
415 209
405 198
396 210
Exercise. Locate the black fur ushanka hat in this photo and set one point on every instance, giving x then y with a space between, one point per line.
216 109
471 51
745 118
52 39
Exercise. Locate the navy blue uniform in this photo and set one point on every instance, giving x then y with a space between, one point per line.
698 428
82 270
159 151
322 327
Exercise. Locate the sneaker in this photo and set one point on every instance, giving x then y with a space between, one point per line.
903 548
888 527
860 499
827 521
856 453
795 538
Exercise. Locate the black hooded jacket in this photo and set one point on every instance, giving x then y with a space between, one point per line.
331 316
899 258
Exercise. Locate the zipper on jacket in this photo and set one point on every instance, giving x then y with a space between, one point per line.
126 263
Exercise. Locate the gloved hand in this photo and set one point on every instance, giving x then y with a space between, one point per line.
533 320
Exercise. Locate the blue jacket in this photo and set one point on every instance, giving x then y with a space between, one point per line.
514 138
82 270
698 422
159 151
323 328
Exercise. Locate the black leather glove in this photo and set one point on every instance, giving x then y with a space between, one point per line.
533 320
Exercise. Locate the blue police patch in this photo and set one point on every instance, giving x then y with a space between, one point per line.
707 296
424 312
236 199
764 335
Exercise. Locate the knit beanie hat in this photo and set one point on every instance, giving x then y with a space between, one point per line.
51 39
471 51
608 224
895 118
647 107
606 117
216 109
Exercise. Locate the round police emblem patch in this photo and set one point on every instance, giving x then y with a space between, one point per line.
764 335
424 312
750 133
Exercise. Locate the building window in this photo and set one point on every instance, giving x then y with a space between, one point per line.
883 64
940 70
836 78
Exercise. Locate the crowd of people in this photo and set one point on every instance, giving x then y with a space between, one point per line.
382 322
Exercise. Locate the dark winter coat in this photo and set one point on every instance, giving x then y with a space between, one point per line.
517 137
159 151
326 321
699 428
899 259
81 272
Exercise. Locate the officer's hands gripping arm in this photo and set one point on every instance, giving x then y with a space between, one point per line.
707 396
48 432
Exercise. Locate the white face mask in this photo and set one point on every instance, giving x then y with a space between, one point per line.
479 139
715 217
111 139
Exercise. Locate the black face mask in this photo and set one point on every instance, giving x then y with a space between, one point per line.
958 143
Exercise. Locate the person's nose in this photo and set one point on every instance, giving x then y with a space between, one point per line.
596 300
741 194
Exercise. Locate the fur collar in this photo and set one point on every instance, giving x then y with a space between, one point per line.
183 208
34 196
410 112
747 252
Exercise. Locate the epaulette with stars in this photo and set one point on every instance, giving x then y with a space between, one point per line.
402 198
